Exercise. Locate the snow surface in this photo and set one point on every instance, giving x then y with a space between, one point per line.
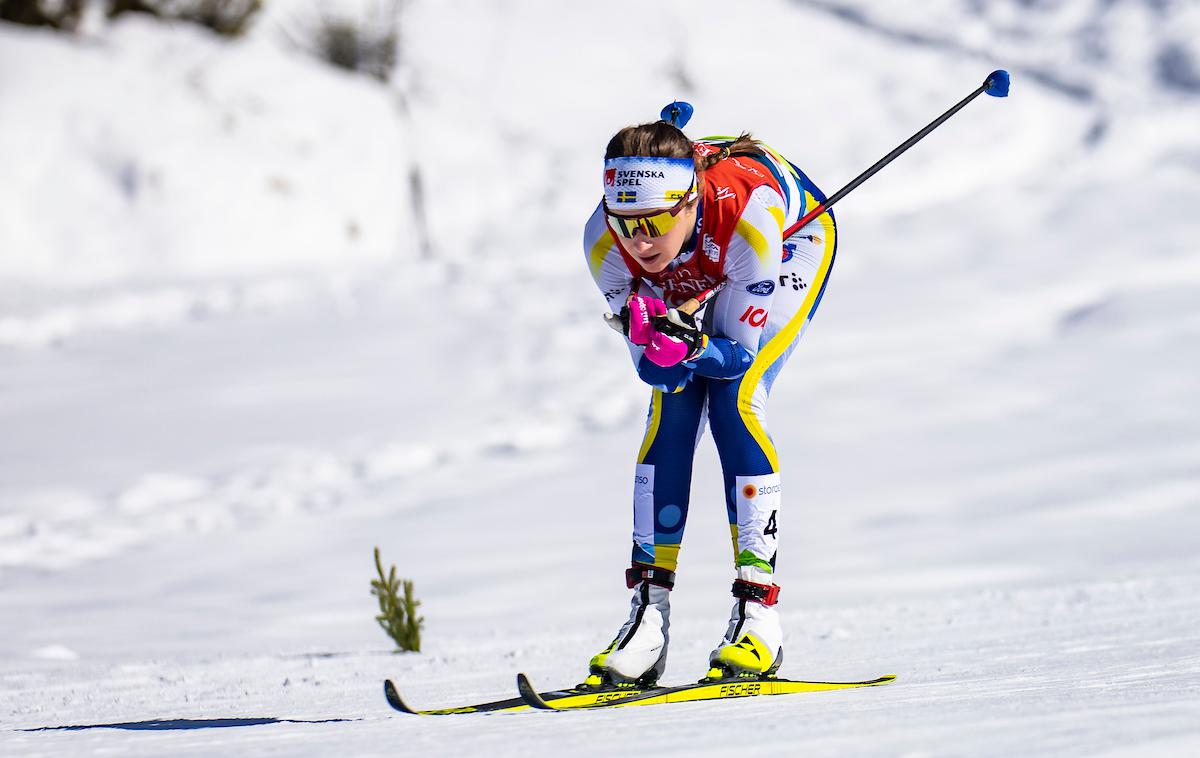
217 396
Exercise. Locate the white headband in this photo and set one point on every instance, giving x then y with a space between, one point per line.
639 183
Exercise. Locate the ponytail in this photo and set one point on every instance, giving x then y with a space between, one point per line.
743 145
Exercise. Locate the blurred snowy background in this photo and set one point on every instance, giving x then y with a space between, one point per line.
259 314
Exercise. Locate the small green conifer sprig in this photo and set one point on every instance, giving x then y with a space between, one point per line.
397 615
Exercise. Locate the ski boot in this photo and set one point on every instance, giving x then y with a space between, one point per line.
637 656
753 643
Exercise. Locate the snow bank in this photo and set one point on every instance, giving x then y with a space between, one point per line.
153 152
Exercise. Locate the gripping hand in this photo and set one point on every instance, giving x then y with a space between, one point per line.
677 338
637 319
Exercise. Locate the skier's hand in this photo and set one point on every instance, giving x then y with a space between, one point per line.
638 317
677 338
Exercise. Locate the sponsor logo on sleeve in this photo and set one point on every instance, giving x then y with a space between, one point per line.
754 316
762 289
711 249
796 282
789 249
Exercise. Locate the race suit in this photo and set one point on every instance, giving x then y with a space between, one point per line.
775 275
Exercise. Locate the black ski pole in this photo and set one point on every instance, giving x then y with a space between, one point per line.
995 85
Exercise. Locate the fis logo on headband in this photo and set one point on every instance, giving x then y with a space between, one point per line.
626 196
610 176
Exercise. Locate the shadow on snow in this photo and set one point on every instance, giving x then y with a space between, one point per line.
168 724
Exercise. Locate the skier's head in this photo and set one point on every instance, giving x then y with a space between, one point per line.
651 188
653 182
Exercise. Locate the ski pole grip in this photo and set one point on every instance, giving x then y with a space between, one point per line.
689 306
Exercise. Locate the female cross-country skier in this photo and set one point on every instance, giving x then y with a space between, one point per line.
678 219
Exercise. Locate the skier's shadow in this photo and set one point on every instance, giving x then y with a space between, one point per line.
170 724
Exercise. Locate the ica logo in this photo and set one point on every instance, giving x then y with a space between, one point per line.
754 316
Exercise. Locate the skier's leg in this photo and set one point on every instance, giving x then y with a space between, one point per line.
663 475
750 463
737 409
662 483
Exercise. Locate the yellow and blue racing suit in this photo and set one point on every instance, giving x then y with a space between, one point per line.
773 287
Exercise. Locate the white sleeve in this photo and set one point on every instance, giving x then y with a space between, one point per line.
751 270
608 269
604 261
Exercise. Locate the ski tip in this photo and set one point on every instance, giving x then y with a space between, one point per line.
530 695
393 697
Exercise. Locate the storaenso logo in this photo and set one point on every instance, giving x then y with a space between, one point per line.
763 288
749 492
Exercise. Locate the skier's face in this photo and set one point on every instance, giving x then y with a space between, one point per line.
654 253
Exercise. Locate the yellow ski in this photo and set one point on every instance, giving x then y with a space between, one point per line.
702 690
572 698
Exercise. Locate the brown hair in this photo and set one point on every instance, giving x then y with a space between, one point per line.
661 139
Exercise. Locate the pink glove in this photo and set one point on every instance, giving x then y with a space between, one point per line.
666 351
642 311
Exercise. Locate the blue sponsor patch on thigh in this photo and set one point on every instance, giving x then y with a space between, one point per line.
764 288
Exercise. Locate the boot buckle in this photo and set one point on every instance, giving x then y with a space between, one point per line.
767 594
639 572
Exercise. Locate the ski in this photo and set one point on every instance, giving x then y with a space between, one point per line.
572 698
702 690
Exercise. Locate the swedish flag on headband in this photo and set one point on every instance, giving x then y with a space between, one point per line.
626 196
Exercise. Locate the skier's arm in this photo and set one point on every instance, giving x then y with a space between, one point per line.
739 312
616 283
